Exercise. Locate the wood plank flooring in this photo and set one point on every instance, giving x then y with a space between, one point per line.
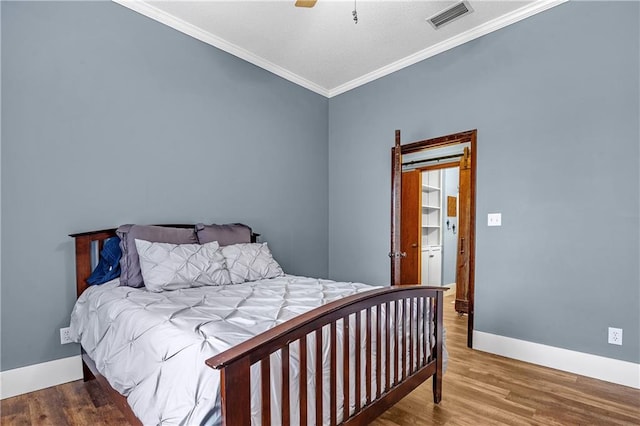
478 389
485 389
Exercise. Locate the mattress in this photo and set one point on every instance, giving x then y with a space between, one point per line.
152 347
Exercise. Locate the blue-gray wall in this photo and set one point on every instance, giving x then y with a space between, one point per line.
555 101
110 117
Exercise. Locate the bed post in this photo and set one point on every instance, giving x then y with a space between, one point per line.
235 379
83 243
83 263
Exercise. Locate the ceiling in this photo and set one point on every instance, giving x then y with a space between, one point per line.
322 48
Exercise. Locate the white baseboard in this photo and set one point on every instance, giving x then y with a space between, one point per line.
607 369
39 376
452 289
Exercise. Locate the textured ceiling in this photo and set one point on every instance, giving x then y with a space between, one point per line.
322 48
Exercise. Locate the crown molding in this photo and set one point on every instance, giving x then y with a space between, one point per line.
184 27
191 30
494 25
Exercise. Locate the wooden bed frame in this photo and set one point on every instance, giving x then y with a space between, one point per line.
415 363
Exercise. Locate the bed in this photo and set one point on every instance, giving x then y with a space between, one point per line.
261 365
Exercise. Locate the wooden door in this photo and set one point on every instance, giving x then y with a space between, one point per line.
410 228
396 195
405 220
464 240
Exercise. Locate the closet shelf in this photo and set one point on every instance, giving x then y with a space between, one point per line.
432 209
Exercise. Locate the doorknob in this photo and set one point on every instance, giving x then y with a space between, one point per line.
462 245
414 245
397 254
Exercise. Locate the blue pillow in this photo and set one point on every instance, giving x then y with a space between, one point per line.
109 264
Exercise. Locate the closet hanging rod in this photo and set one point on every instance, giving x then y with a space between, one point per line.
429 160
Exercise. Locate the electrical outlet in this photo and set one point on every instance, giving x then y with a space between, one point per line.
615 336
64 336
494 219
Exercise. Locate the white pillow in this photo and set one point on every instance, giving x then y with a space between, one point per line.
173 266
250 262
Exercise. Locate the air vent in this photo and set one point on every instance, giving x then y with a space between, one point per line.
450 14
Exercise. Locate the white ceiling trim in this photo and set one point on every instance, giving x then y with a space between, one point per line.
206 37
158 15
494 25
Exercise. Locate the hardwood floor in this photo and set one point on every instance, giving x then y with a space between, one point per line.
482 389
76 403
478 389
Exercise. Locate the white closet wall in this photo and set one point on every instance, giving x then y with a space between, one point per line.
432 201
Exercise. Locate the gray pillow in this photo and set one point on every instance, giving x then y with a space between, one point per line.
131 275
231 233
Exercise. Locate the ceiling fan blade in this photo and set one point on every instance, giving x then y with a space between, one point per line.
305 3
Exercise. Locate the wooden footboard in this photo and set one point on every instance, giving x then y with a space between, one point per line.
398 323
393 341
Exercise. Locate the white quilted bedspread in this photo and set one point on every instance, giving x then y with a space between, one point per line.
152 346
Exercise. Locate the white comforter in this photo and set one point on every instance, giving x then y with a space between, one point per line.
152 347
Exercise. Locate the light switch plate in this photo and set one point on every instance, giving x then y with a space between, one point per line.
494 219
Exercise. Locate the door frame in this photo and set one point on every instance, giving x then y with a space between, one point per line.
397 151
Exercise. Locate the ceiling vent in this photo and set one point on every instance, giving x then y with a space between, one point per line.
450 14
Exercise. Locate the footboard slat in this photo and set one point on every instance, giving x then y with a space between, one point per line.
421 343
367 364
403 364
411 336
345 368
303 380
332 379
438 325
319 411
387 348
425 330
286 397
358 354
405 317
396 340
378 354
265 381
417 338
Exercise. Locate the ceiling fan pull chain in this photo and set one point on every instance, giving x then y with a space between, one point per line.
355 12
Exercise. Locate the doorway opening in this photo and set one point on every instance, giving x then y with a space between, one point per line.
438 214
433 216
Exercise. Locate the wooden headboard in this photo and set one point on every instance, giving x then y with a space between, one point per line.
89 244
